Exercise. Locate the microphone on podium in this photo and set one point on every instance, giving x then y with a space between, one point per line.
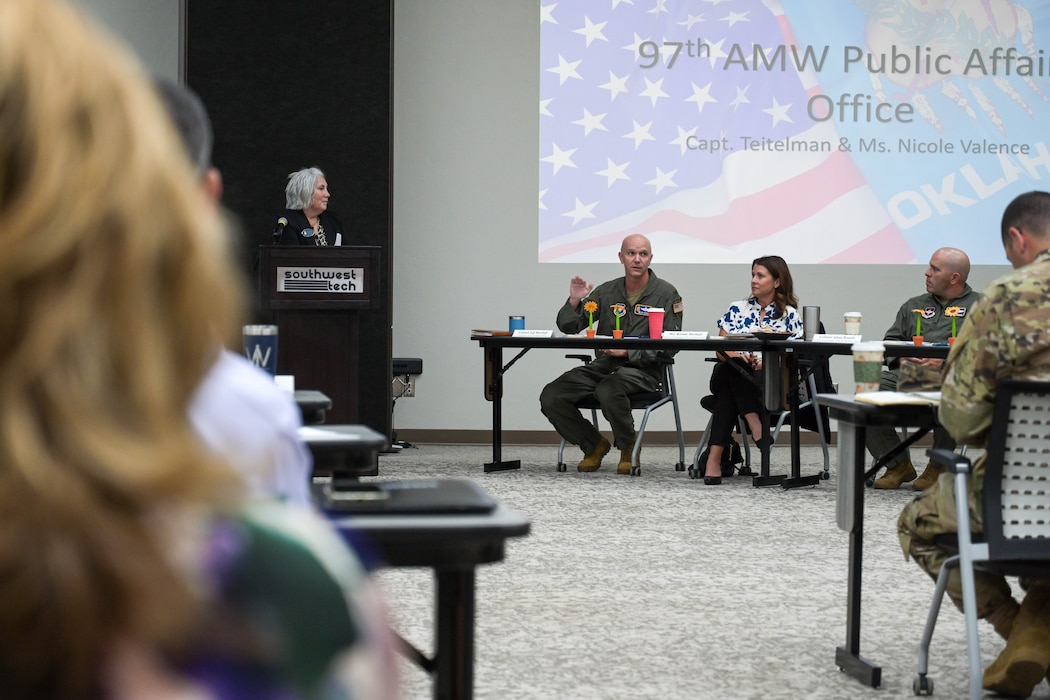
279 229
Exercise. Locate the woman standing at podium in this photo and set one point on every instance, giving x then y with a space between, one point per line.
306 220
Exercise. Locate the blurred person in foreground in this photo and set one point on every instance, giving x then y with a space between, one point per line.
1005 338
238 410
132 564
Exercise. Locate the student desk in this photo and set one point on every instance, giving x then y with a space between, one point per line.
312 405
343 451
453 546
853 420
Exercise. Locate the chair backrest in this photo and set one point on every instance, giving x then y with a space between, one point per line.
1016 499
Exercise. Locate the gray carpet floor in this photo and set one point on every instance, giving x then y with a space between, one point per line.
657 586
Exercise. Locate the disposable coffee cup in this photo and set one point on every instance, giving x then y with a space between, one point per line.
852 319
867 366
656 323
810 321
516 323
260 346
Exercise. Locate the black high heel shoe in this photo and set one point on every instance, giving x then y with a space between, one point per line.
712 480
764 443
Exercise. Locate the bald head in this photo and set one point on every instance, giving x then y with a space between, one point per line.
955 260
636 240
947 273
636 253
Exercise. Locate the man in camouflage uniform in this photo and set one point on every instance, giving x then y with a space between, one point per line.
947 297
1006 337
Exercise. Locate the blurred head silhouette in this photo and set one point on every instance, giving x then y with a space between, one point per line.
116 299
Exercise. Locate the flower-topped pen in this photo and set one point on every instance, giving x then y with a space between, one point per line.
618 311
918 325
953 312
590 307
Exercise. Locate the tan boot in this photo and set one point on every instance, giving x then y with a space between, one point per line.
895 476
592 461
1023 664
1002 618
929 477
624 467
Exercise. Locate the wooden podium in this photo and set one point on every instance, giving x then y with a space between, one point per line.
317 296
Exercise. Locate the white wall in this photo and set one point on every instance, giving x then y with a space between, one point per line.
150 26
465 243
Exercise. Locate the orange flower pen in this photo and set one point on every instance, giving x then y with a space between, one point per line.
590 307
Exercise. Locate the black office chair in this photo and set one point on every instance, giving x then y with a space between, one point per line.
814 377
1016 507
648 402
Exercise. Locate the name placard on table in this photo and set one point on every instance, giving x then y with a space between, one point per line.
686 335
835 338
532 333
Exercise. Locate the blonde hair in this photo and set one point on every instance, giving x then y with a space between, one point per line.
116 296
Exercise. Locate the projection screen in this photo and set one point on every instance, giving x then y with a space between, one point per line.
826 131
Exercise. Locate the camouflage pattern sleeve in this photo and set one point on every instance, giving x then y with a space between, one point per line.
971 372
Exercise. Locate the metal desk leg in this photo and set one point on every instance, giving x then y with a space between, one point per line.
796 480
850 517
772 398
454 658
494 393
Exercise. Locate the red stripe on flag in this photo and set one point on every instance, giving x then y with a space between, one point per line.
886 245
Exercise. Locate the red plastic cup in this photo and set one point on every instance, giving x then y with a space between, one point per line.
656 323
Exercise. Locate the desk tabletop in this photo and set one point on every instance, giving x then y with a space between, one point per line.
440 541
312 400
711 343
843 407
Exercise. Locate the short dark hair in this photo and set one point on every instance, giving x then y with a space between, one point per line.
190 119
1030 212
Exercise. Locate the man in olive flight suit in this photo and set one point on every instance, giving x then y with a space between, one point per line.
948 297
616 373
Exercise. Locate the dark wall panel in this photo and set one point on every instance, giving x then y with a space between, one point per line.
295 83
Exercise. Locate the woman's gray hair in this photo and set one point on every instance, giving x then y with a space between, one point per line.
300 189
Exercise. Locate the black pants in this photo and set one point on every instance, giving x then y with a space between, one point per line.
737 393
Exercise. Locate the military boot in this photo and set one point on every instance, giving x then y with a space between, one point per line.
929 477
1024 662
895 476
624 467
1002 618
592 461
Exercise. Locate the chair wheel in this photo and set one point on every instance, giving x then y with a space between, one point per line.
561 466
636 471
746 471
679 467
922 685
693 474
824 476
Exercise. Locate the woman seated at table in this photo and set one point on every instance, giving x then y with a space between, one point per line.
737 378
